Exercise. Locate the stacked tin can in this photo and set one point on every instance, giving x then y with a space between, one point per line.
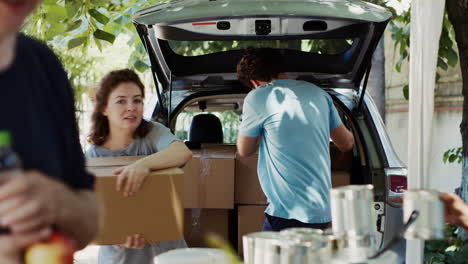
352 238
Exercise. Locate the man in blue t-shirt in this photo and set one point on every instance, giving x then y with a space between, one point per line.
292 122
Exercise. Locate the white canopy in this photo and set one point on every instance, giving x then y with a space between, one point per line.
426 27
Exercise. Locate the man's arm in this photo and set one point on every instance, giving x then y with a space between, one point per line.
247 146
342 138
78 216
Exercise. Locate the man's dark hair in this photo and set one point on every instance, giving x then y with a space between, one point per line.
263 64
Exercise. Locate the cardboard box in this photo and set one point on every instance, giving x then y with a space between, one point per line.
198 223
340 178
247 186
209 177
250 219
155 212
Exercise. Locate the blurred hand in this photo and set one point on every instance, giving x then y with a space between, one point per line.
135 241
131 178
29 201
456 211
12 245
29 206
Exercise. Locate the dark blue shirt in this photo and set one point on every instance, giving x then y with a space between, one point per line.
37 107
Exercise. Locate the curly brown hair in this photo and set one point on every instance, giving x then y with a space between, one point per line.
99 123
262 64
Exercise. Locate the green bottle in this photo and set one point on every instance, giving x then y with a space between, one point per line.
9 160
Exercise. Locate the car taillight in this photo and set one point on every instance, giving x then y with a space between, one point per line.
397 183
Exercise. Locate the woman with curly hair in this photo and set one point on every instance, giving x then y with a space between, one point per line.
118 129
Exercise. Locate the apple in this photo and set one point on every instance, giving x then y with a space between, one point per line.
58 249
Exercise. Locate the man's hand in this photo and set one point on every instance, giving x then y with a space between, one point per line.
456 211
29 201
135 242
29 206
12 245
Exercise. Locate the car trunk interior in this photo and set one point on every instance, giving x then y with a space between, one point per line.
347 168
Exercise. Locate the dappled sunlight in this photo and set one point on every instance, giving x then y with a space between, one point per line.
177 9
317 198
315 108
292 108
355 9
329 4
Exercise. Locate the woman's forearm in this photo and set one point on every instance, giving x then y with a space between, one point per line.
175 155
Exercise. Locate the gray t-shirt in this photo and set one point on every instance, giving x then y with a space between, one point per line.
158 138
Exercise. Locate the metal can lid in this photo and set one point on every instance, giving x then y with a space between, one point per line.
421 194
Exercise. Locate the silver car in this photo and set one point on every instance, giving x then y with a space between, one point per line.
194 46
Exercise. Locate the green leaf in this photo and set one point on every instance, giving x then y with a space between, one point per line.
122 19
452 158
55 13
441 64
215 241
101 18
98 2
406 92
452 58
54 30
74 25
406 30
445 157
76 42
102 35
98 44
140 66
72 7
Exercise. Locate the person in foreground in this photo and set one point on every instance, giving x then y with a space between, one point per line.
118 129
52 191
293 122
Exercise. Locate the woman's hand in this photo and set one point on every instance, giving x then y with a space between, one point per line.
131 178
135 241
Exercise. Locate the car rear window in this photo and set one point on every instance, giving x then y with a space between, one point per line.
318 46
230 121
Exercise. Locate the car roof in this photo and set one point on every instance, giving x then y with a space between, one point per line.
175 11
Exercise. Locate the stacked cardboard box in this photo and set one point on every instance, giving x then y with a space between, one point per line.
155 211
220 192
250 219
250 200
209 193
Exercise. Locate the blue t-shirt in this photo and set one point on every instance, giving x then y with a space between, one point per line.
294 119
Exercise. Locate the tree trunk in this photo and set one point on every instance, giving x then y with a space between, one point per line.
457 11
376 85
